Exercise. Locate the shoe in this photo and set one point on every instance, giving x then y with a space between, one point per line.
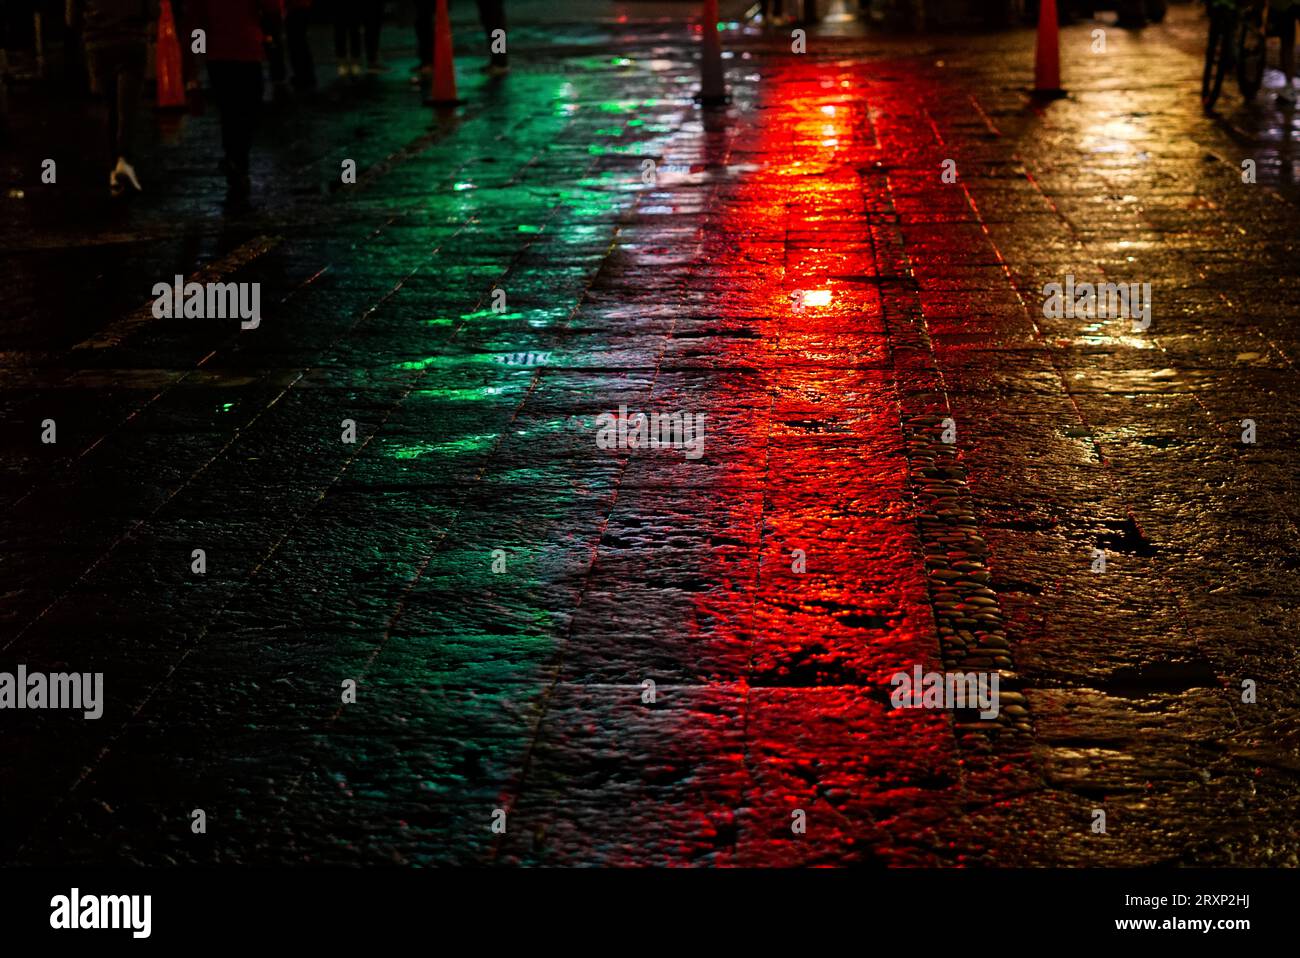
122 175
420 72
355 69
345 68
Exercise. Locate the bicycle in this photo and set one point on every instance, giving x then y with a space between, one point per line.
1238 39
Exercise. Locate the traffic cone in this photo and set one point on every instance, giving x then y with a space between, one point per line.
1047 57
167 56
444 66
713 88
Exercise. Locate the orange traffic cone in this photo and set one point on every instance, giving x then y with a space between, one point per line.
713 88
1047 58
167 56
444 66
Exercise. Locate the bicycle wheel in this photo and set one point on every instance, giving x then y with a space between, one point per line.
1217 53
1252 51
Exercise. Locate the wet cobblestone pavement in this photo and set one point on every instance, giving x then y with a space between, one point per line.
501 589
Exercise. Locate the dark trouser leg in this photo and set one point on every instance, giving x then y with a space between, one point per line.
130 84
347 29
103 73
424 30
493 15
340 30
119 77
222 78
275 57
237 88
74 58
249 109
373 20
295 31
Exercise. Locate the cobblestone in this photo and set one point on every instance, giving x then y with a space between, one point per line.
801 275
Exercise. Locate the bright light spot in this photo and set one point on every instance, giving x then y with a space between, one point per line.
816 297
1135 342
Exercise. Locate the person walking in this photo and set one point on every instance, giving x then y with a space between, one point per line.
115 34
235 33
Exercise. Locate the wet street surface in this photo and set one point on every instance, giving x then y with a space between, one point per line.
665 656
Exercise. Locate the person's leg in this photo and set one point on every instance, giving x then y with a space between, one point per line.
103 74
341 9
424 31
373 21
76 69
130 84
247 95
356 13
275 59
347 35
300 59
220 76
493 15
